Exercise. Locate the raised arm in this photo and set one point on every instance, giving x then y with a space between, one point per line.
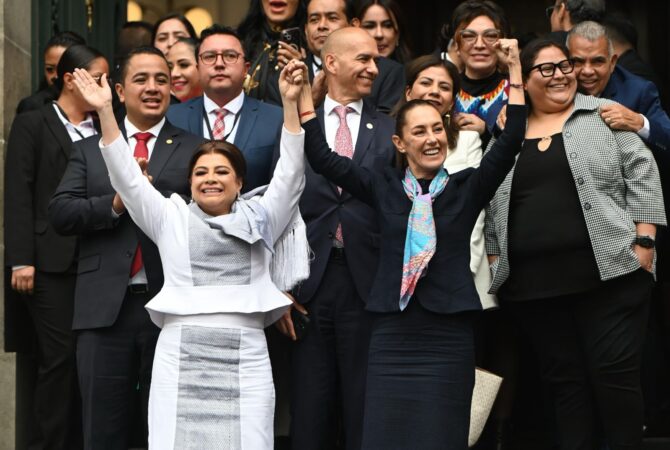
497 162
288 180
147 207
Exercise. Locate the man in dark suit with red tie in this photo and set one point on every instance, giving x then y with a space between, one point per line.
119 267
330 361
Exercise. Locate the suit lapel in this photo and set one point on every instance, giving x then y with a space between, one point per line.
366 132
247 120
166 144
58 130
195 117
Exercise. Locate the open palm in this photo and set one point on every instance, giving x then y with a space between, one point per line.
95 95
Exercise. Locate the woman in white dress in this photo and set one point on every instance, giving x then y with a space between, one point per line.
212 382
435 80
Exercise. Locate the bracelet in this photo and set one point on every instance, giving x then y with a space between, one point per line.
306 113
516 85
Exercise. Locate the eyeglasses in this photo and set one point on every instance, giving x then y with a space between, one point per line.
489 37
547 69
228 57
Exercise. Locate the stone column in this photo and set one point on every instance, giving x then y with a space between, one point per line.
14 84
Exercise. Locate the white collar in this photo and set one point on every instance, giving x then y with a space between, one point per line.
232 106
131 129
329 105
86 123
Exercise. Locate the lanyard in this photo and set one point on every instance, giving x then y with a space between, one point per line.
205 116
68 120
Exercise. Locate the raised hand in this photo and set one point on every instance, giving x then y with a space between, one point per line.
291 80
96 95
507 51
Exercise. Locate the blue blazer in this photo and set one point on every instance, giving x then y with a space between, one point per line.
447 286
641 96
258 128
322 208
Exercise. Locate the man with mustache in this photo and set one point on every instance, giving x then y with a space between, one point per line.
119 268
330 361
224 112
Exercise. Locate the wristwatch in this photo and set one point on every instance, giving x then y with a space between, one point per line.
645 241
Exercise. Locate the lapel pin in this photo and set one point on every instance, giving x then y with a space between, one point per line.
369 126
169 141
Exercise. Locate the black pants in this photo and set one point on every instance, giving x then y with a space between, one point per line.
421 374
114 368
329 365
57 408
589 346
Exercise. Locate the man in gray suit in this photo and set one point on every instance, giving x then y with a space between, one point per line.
224 112
119 267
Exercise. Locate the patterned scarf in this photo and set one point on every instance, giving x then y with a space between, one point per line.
421 239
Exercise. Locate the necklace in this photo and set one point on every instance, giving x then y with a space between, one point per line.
544 143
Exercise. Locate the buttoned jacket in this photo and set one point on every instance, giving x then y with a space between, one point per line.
617 183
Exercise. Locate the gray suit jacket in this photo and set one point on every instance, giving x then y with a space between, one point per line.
617 183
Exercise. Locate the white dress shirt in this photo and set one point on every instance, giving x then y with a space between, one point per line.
317 65
86 127
332 120
233 107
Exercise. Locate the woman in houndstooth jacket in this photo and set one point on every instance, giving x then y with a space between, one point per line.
570 234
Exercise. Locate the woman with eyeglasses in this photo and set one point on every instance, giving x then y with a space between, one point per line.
477 25
43 263
572 227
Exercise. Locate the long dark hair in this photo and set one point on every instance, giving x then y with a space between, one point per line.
412 71
230 151
402 53
75 57
180 17
253 28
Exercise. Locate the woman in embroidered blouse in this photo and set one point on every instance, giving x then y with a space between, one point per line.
421 362
573 225
211 383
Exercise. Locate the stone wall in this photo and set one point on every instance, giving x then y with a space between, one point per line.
14 84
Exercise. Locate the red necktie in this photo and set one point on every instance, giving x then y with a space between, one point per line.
344 146
218 132
141 151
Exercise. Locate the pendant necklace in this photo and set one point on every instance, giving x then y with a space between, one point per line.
544 143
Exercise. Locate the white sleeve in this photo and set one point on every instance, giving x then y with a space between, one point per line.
146 206
288 181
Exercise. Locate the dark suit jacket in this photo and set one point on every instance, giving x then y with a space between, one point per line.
641 96
257 130
631 61
37 154
82 205
322 208
37 100
447 286
386 89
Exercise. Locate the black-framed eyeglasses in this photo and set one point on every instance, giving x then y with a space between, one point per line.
489 36
228 57
547 69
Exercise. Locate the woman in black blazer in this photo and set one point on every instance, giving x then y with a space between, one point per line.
41 261
421 361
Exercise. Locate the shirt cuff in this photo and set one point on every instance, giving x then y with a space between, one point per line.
19 267
644 131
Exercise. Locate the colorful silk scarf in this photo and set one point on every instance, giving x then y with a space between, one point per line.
421 240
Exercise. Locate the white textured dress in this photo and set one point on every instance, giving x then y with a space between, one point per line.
211 381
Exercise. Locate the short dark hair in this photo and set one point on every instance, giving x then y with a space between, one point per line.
75 57
412 71
533 48
219 29
348 8
583 10
401 121
180 17
64 39
144 50
469 10
230 151
132 34
621 30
